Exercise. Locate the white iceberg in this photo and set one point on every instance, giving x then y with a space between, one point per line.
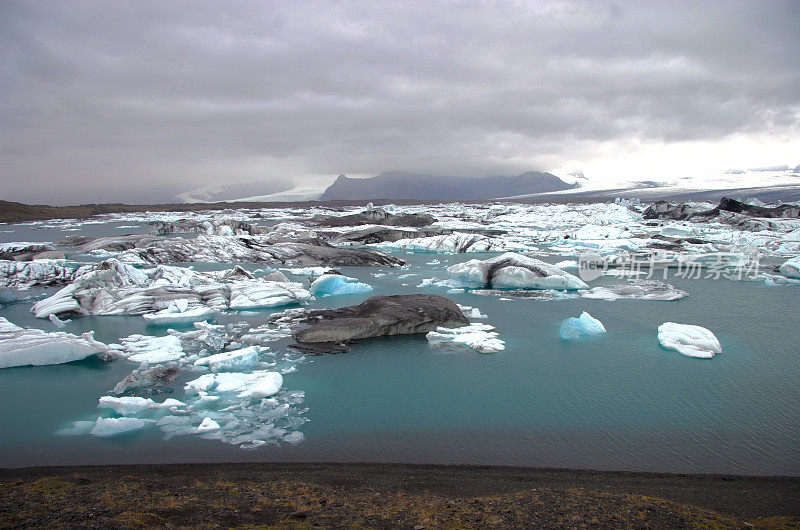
479 337
513 271
105 427
208 425
23 275
145 349
452 244
253 385
336 284
128 406
791 268
585 324
636 290
689 340
231 360
167 294
23 347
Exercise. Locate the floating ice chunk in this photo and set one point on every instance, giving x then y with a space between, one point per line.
307 271
636 290
453 243
23 275
567 264
230 360
586 324
129 406
293 437
144 349
252 385
173 315
58 322
514 271
334 284
22 347
256 294
471 312
208 425
105 427
791 268
689 340
77 428
479 337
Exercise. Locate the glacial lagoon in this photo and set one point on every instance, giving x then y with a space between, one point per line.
616 401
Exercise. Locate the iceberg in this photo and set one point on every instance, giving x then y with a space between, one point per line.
152 350
688 340
23 275
174 314
165 294
129 406
585 324
513 271
636 290
253 385
479 337
231 360
335 284
105 427
455 243
23 347
208 425
791 268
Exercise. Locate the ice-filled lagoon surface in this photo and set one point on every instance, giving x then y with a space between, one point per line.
194 312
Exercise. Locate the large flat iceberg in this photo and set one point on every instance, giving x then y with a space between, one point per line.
689 340
479 337
513 271
23 347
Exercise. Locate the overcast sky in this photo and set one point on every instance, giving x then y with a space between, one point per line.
138 101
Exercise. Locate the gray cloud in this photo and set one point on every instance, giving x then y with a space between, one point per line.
137 101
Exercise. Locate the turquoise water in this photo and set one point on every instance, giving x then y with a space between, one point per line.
617 401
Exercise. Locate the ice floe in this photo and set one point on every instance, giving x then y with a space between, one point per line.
454 243
169 294
23 347
636 289
479 337
336 284
513 271
106 427
791 268
689 340
577 327
26 274
128 406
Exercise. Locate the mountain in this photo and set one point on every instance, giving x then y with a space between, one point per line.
399 185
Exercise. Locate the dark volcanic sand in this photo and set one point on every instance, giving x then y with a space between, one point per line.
377 495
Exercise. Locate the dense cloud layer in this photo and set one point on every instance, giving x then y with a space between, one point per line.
137 101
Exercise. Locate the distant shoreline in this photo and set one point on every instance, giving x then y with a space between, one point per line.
17 212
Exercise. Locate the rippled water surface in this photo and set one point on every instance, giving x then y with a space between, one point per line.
617 401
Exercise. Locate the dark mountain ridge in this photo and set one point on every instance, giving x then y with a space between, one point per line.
400 185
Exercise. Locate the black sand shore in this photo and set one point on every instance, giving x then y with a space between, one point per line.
387 495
